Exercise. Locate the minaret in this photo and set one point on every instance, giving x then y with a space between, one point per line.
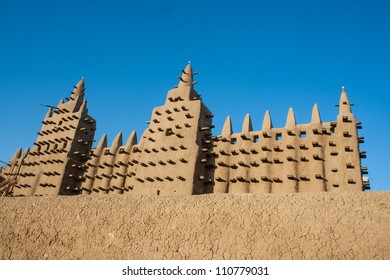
56 162
345 167
174 154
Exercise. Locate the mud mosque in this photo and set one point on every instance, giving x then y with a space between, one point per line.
178 154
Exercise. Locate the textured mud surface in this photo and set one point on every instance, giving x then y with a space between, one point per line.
273 226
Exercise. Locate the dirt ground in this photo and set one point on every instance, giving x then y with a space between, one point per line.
271 226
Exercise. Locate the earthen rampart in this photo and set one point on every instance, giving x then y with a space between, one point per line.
344 225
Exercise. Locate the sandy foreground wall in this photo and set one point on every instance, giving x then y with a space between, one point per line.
272 226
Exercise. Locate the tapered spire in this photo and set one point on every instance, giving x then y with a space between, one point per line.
247 124
25 153
16 156
102 144
290 122
23 156
79 88
186 79
315 115
227 129
116 143
267 123
77 97
131 141
345 106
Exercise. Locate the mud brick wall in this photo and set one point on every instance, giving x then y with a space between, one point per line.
348 225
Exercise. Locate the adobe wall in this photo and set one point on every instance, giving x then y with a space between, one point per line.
348 225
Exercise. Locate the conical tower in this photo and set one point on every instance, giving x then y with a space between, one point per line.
345 165
173 154
55 165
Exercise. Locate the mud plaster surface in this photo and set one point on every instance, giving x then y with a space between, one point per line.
268 226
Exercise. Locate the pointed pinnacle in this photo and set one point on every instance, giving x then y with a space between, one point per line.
79 88
16 156
315 114
132 140
227 129
343 96
116 143
247 124
25 153
344 105
80 84
186 77
102 144
267 123
290 122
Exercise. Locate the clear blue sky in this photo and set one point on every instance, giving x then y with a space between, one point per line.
251 56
